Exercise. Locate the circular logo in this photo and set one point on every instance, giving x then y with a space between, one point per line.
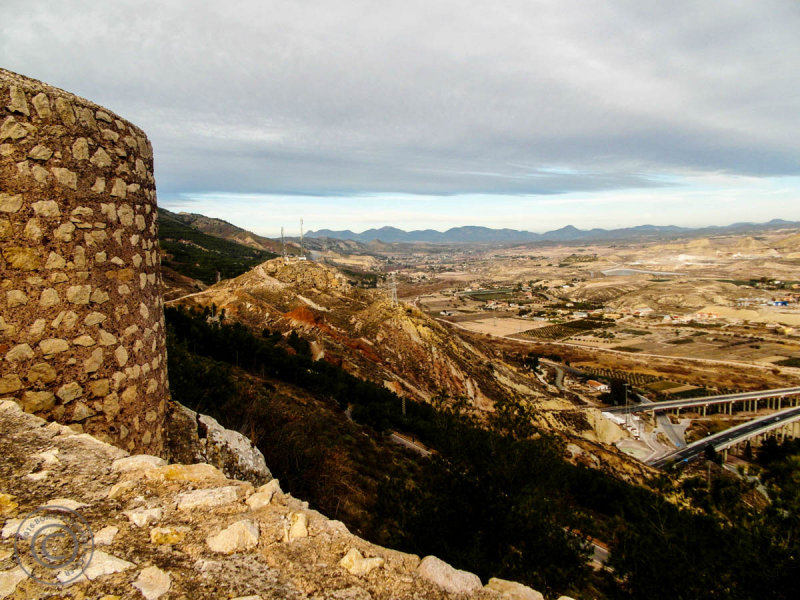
54 545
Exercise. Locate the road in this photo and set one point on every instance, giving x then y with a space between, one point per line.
729 437
669 430
709 400
665 425
399 438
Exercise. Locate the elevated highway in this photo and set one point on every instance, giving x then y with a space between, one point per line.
783 419
774 399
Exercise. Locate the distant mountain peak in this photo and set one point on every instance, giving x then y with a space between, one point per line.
568 233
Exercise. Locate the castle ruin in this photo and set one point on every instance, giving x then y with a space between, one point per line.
82 338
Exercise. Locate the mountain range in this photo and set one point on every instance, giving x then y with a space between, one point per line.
473 234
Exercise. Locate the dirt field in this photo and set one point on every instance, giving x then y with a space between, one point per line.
501 326
695 372
687 342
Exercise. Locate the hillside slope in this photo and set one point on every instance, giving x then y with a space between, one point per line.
222 229
360 329
200 257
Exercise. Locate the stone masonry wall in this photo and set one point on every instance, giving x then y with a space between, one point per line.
81 316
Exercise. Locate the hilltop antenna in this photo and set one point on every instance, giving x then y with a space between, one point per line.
393 288
302 252
283 246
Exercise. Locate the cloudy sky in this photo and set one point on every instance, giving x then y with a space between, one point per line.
526 114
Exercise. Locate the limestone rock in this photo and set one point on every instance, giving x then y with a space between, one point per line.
168 535
10 204
119 188
153 583
19 352
52 346
513 590
10 383
94 318
40 152
139 462
298 527
94 362
18 101
42 105
10 129
69 392
207 498
55 261
104 564
41 372
9 581
79 294
121 354
84 340
357 565
7 504
23 259
448 578
65 111
81 412
259 500
228 450
80 149
16 298
37 401
49 297
66 177
141 517
196 472
106 535
239 537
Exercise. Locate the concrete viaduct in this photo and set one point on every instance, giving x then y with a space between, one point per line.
752 401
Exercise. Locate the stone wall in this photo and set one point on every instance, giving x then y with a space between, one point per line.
187 531
81 316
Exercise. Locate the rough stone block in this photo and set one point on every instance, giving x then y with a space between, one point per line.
208 498
46 208
10 383
40 152
66 177
65 111
22 259
52 346
19 352
41 372
37 401
357 565
152 583
448 578
16 298
512 590
80 149
42 105
239 537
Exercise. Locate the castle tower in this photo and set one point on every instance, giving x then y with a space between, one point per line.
81 317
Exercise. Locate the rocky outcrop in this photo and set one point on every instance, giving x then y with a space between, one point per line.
186 531
194 438
81 320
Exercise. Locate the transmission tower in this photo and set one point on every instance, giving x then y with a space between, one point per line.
283 247
393 288
302 253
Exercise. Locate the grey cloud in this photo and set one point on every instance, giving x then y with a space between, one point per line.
430 97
